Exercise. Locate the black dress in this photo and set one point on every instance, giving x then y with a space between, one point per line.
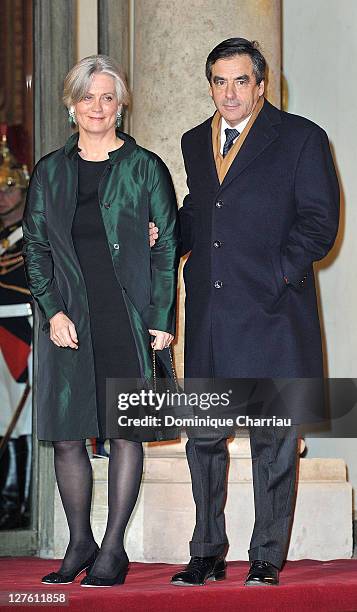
115 354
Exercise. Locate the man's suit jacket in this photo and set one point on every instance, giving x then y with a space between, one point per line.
275 213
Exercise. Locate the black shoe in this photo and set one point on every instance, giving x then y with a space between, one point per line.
262 573
199 570
95 581
59 578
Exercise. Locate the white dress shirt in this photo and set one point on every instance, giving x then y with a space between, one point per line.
224 125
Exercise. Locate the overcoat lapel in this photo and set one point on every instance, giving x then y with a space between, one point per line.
261 135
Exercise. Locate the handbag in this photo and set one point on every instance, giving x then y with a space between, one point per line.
167 382
156 370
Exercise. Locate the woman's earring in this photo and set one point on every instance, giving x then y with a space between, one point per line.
118 121
72 115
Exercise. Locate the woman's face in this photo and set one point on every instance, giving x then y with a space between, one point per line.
96 113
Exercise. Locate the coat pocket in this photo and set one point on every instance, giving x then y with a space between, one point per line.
278 274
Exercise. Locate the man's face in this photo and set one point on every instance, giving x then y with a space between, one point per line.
9 198
234 89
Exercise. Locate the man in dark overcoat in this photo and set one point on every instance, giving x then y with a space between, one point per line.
263 205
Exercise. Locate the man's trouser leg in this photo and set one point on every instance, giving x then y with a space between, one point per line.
274 459
208 460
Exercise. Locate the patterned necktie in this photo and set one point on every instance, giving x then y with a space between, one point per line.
230 136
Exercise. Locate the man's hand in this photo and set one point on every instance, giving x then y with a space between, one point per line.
162 339
62 331
153 233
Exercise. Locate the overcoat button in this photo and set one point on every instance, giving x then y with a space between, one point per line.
217 244
116 246
218 284
219 204
106 204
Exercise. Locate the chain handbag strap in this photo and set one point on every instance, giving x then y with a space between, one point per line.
172 370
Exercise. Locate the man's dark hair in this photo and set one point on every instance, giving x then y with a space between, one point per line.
238 46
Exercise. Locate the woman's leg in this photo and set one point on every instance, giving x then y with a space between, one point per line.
124 478
74 478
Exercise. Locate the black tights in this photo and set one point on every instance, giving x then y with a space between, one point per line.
74 478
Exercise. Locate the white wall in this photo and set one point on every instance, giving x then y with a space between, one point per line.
87 35
319 62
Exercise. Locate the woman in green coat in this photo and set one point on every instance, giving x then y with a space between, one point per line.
105 299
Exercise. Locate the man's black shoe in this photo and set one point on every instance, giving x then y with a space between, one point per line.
262 573
199 570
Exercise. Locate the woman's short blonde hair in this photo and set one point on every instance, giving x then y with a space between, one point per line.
78 80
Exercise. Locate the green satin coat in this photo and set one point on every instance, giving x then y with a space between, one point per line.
136 188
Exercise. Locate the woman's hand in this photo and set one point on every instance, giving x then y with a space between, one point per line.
62 331
153 233
162 339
